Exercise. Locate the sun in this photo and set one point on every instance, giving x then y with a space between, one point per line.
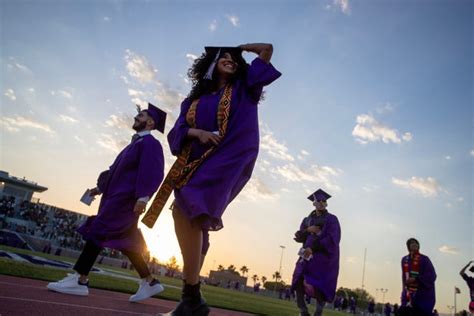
161 240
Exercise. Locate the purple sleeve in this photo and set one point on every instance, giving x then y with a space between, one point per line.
178 133
301 234
102 180
260 74
150 168
303 224
427 276
331 236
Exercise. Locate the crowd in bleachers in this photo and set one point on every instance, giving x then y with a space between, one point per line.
33 212
43 221
7 205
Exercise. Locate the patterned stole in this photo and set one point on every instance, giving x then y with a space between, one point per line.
182 171
411 273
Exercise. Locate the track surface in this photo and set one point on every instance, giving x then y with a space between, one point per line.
20 296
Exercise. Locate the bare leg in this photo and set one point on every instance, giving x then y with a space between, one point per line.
189 236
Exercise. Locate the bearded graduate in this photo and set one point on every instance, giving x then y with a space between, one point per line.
126 187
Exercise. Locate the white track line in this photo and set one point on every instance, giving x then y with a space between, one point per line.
70 305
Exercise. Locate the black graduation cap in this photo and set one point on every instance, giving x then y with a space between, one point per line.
217 51
158 116
319 195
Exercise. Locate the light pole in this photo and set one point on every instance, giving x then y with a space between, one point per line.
383 297
281 259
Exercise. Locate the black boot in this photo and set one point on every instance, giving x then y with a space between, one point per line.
192 303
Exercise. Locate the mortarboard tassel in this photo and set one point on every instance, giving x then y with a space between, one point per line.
210 70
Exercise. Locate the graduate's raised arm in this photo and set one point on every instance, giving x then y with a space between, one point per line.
263 50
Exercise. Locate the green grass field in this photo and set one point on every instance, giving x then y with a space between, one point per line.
217 297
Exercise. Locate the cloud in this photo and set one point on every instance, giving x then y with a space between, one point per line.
63 93
351 259
343 5
368 129
233 19
472 152
67 119
448 157
17 65
143 71
427 187
125 80
256 189
369 188
191 57
78 139
213 26
121 121
32 90
106 19
14 124
448 250
407 137
136 93
316 174
387 107
274 148
9 93
168 97
139 68
111 143
302 155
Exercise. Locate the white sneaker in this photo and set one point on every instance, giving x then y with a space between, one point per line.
69 285
147 290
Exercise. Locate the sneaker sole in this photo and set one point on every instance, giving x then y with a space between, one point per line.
135 299
66 291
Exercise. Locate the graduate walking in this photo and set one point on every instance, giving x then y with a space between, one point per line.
418 282
216 140
317 269
126 187
470 283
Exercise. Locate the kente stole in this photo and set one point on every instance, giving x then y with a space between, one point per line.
411 273
182 170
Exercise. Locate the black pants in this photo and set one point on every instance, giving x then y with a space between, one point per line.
300 300
91 251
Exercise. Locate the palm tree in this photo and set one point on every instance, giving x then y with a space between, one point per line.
244 270
231 268
172 266
255 279
276 276
220 268
264 279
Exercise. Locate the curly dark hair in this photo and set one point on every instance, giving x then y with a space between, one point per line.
200 66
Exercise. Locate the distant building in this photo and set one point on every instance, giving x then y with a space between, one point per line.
21 189
224 277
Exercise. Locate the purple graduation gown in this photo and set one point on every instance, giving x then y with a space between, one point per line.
136 172
323 269
219 179
425 297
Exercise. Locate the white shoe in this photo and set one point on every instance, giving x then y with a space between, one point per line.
147 290
70 285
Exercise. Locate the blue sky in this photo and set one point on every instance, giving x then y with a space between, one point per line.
374 105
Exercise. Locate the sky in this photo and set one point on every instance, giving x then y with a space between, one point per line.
374 106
